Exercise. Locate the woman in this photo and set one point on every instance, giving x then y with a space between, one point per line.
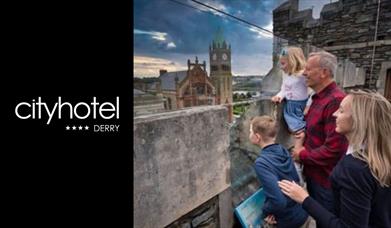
361 181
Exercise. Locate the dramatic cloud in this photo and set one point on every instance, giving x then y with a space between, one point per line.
149 67
214 4
176 32
155 35
171 45
262 34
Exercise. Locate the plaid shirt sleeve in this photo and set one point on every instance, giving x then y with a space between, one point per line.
335 144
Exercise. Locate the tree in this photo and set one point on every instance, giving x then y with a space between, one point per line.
248 95
235 96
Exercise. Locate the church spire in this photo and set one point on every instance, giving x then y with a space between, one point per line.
219 37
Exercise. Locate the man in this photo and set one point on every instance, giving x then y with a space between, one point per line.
322 147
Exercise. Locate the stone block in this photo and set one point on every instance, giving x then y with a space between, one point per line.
205 217
225 208
181 161
364 18
355 9
355 55
186 225
363 30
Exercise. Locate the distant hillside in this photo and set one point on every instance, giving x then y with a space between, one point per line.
249 83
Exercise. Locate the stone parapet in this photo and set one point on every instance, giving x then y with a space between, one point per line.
181 161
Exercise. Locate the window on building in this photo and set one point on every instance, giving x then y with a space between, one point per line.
169 103
200 89
214 68
209 90
225 67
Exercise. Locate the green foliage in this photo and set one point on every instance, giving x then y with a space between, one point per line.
240 109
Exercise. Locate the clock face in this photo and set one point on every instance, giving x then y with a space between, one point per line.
225 56
214 57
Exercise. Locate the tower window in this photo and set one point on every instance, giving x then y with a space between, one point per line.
214 68
200 90
226 67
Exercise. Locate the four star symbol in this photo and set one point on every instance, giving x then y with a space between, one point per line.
75 128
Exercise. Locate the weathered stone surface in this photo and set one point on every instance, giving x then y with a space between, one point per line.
180 161
186 225
343 25
204 218
225 208
206 215
364 18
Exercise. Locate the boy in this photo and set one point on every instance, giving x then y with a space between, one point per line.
272 165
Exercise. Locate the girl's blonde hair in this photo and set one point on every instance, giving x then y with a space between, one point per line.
296 59
371 114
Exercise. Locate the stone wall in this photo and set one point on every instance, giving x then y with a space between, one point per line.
263 106
345 28
181 161
206 215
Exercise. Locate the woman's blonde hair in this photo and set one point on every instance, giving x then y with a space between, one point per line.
296 59
371 114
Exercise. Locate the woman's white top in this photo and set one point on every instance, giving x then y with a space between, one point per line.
293 87
350 149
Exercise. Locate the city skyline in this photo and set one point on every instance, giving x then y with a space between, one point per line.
167 34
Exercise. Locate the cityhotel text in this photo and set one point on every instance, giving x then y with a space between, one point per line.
40 110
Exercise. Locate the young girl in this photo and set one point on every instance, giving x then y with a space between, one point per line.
295 92
293 89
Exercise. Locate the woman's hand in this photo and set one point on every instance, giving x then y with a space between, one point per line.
270 219
293 190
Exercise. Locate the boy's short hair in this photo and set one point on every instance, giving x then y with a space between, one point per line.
266 126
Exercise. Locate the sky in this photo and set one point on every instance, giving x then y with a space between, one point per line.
166 33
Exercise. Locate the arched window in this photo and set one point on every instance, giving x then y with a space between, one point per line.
226 68
200 89
169 103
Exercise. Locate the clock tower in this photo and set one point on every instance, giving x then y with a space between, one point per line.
220 68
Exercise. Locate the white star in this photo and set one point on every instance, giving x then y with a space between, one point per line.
86 127
80 128
67 128
73 128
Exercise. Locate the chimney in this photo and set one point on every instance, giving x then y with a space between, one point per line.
159 86
161 72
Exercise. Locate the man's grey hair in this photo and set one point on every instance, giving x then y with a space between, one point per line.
327 61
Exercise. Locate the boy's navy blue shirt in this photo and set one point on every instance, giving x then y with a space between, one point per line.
274 164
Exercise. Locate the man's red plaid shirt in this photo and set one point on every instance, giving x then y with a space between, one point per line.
323 146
